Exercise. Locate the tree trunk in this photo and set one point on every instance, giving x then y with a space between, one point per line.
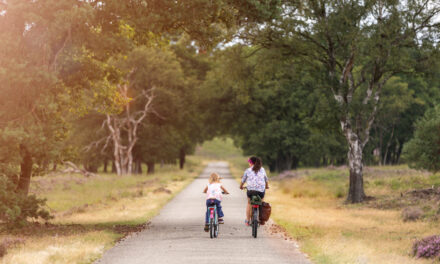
130 163
93 168
356 192
284 163
182 155
385 156
399 151
105 165
113 167
26 171
45 165
380 146
138 166
150 169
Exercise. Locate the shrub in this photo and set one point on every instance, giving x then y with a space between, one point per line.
16 208
422 152
411 213
8 242
428 247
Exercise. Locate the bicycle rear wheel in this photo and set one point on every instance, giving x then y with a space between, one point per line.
254 223
211 229
216 228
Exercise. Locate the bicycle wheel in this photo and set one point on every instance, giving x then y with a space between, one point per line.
216 227
255 223
211 229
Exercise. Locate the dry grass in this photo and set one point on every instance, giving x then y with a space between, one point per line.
91 214
311 208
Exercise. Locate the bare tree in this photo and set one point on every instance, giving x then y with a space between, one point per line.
123 129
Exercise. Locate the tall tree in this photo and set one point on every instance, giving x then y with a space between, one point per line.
360 45
32 117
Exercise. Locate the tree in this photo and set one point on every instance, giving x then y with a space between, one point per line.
270 107
360 45
32 118
423 151
396 99
149 71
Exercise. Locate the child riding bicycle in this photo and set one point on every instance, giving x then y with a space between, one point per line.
214 192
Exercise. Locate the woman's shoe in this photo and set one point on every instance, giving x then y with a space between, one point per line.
206 228
221 221
246 222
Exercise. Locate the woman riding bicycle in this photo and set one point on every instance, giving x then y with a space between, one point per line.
257 182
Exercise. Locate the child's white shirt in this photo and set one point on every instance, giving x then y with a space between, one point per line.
214 191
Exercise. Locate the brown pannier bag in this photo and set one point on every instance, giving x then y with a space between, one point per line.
265 211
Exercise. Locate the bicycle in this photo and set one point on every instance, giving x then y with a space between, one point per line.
213 221
256 202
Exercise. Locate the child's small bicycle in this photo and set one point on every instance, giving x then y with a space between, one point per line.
213 221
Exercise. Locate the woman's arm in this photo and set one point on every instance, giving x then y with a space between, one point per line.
266 179
243 180
205 190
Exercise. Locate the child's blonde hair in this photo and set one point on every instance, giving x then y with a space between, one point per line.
214 178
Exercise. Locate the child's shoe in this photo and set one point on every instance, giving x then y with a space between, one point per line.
206 228
221 221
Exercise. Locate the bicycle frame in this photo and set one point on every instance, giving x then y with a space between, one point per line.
213 221
213 214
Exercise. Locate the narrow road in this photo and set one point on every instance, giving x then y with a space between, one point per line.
176 235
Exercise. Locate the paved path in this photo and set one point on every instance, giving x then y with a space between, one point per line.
176 235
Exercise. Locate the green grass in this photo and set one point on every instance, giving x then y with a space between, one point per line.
92 213
312 208
219 148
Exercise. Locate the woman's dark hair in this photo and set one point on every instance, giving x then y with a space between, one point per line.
257 163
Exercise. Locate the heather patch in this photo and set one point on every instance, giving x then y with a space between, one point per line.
428 247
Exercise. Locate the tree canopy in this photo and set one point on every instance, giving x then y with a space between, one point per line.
299 83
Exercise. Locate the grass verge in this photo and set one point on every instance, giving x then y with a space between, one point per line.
91 214
310 206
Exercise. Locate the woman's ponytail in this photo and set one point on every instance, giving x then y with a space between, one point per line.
257 164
